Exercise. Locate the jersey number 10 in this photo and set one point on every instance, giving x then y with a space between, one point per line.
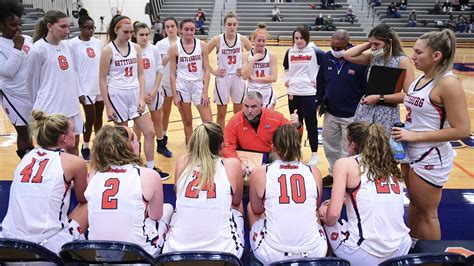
298 189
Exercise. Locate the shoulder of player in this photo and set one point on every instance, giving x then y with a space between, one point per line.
148 173
72 162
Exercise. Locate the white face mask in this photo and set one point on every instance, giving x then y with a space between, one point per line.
377 53
337 54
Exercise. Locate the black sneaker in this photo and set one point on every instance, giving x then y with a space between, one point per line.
163 175
162 149
86 154
165 140
327 181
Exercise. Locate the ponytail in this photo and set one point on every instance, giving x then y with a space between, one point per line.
46 129
41 27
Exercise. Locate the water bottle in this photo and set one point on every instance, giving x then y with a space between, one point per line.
398 149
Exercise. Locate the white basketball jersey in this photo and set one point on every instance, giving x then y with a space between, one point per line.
163 47
39 197
116 208
151 61
123 71
302 72
11 59
375 215
290 207
261 68
229 57
189 66
52 78
202 219
86 56
422 114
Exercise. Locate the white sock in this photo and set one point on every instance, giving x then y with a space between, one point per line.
159 138
85 145
150 164
165 132
314 154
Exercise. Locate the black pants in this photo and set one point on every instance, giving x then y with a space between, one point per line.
306 106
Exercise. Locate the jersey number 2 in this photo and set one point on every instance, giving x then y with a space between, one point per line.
298 189
27 172
108 200
192 190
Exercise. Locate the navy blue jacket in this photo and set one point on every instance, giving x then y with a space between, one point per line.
340 90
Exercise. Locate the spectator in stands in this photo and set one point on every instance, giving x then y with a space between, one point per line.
41 188
158 28
392 11
284 222
402 4
446 8
469 25
350 16
451 23
200 18
329 24
301 64
369 184
412 19
427 136
241 130
332 4
209 189
14 96
276 13
385 50
461 25
189 77
319 22
260 67
436 9
455 5
46 78
136 205
230 54
376 2
324 4
338 77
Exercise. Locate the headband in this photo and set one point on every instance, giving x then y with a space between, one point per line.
122 21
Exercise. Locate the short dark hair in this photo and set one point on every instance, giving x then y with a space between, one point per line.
8 9
304 31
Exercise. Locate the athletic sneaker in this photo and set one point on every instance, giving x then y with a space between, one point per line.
314 159
165 140
163 175
86 154
162 149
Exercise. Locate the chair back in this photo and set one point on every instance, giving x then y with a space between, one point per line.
427 258
327 261
86 251
197 258
16 250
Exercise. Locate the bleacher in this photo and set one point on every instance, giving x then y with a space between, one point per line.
251 12
32 14
425 21
181 9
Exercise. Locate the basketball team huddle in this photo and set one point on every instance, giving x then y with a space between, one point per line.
46 79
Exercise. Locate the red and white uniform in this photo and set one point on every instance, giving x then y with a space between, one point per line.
261 68
229 58
432 161
86 56
290 228
374 230
39 201
52 80
302 72
190 73
151 67
117 210
122 83
204 220
163 47
14 98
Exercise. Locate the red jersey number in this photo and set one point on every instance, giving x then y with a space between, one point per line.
260 74
192 67
108 200
90 52
384 186
27 172
146 63
232 59
298 189
192 190
63 62
128 72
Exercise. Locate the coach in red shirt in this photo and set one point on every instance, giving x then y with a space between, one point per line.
252 128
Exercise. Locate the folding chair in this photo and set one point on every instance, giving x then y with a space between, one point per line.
197 258
117 252
329 261
427 258
16 250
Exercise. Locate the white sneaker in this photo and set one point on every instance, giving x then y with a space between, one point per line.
314 159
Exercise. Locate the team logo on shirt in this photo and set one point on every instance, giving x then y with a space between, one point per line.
63 62
90 52
146 63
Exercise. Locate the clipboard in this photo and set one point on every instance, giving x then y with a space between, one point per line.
251 159
385 80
